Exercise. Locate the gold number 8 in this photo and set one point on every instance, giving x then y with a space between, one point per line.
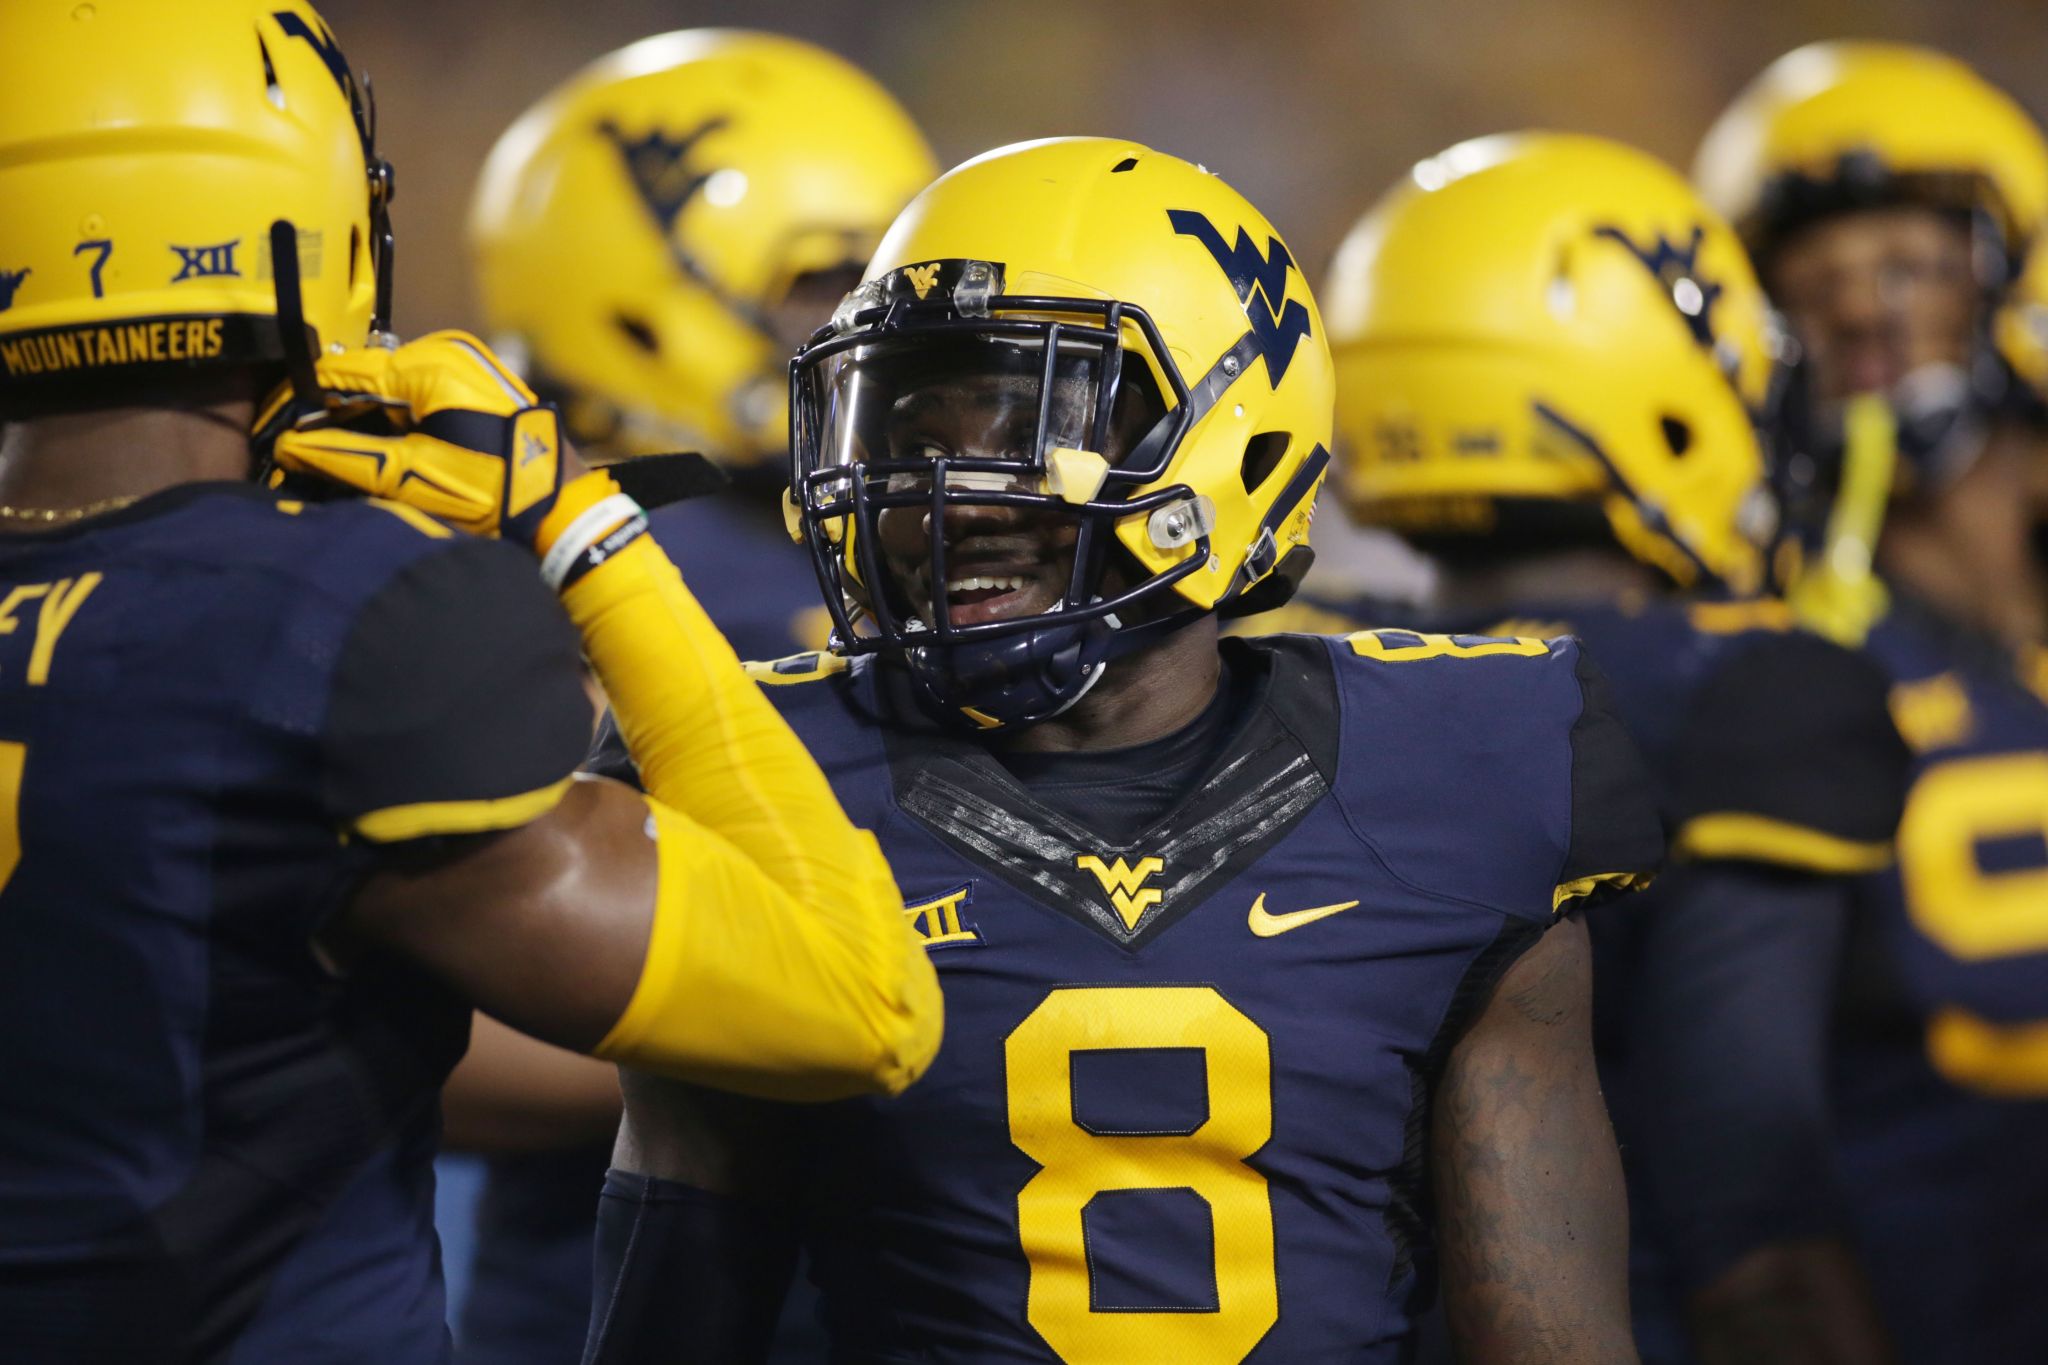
1077 1165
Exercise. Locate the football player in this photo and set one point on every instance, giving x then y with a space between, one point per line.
1892 199
653 241
1552 358
1267 992
286 787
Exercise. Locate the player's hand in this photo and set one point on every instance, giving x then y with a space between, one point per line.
439 424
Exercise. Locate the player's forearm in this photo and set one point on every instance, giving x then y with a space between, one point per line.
785 912
1792 1303
704 738
1532 1217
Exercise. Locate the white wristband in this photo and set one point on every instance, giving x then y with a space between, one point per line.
596 522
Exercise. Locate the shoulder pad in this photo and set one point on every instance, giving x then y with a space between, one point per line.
1506 783
797 668
1298 617
1740 617
1790 756
1408 646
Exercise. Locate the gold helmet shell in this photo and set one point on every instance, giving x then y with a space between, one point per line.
145 152
1544 318
633 231
1088 266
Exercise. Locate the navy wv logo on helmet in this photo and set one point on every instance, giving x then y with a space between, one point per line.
323 43
659 167
10 280
1278 323
1678 270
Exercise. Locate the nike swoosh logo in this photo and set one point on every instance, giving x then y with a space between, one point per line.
1266 926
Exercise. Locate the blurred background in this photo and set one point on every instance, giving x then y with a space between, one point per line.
1311 107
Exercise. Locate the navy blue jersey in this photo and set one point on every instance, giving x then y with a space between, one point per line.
1766 743
1943 1074
1779 777
1180 1110
755 584
215 708
529 1295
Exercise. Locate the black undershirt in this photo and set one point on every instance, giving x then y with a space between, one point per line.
1120 792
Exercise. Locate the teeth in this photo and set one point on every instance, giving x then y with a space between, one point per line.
981 481
970 584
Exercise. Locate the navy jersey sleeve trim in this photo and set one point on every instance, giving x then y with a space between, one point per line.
458 705
1617 841
1790 758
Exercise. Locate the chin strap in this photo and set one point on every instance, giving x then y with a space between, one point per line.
1840 597
1018 680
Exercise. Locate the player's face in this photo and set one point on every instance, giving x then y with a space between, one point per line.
1001 562
1876 295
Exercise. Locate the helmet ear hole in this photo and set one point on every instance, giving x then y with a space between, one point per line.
1262 455
636 330
1677 434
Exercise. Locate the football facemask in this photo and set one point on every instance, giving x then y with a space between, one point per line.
960 463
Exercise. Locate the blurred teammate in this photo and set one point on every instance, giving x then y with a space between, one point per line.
1551 360
1892 200
286 788
1243 942
654 240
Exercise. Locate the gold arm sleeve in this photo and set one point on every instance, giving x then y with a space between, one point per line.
747 989
711 747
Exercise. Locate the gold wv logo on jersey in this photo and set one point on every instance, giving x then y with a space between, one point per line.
1125 885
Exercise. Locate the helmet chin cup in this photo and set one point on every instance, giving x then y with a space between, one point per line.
1013 680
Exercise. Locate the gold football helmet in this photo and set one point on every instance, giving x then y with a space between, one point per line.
146 150
1146 365
1537 322
638 233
